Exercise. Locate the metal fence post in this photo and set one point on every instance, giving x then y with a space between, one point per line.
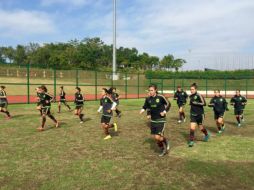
206 86
162 86
54 81
138 85
246 87
126 83
225 86
28 83
96 84
77 77
174 83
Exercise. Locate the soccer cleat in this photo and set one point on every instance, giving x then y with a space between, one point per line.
107 137
184 120
239 125
163 153
164 150
191 143
57 124
179 121
8 117
115 127
40 129
206 138
167 145
219 132
81 122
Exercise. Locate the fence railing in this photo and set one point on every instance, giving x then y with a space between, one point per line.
21 82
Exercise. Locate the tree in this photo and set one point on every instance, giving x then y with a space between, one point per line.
20 55
178 63
171 63
167 61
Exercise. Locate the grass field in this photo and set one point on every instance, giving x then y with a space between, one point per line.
75 156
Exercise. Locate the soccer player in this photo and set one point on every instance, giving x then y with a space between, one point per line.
181 97
219 105
158 106
107 105
115 96
239 102
4 102
79 101
62 100
38 107
45 101
197 103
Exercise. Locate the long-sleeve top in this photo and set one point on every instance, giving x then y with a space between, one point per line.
239 102
197 103
157 104
219 104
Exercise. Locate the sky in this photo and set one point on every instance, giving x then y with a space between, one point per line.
216 34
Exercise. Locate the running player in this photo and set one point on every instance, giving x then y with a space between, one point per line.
197 103
107 105
79 101
115 97
158 106
45 101
4 102
62 100
38 106
219 105
239 102
181 97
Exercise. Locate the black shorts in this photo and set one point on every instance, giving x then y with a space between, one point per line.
157 128
62 101
3 105
105 119
79 106
199 119
218 115
45 110
238 112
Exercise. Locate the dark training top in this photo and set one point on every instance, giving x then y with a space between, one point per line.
157 104
79 100
115 97
45 99
181 97
106 103
219 104
239 102
62 95
197 103
3 93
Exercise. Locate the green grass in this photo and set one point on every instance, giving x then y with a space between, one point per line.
75 156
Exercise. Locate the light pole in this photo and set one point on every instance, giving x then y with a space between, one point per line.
114 41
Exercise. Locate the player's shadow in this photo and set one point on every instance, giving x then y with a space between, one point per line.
185 135
87 119
17 116
174 118
153 144
230 122
212 129
115 134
